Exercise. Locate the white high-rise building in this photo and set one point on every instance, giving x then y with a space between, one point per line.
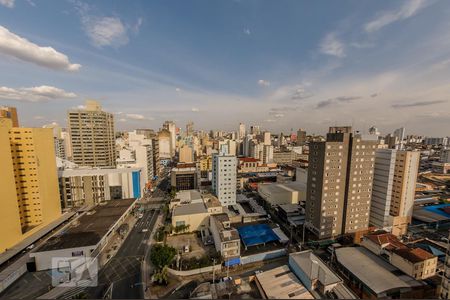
267 140
241 131
400 135
267 154
224 171
394 182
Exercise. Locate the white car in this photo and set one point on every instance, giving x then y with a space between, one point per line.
144 230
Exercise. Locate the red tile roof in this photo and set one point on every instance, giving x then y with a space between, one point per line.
386 238
248 159
414 255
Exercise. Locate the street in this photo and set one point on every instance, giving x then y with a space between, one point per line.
123 271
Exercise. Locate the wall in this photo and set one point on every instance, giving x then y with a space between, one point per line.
263 256
194 271
44 259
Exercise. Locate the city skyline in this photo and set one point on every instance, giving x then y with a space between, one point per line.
307 65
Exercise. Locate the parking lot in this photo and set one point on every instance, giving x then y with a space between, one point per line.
196 247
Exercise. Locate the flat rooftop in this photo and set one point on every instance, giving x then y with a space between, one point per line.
281 283
313 266
89 229
95 171
294 186
373 271
189 209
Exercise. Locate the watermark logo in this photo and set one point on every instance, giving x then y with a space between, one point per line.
74 271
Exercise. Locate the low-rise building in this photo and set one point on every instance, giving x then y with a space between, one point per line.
370 277
281 283
288 193
91 186
226 238
191 211
317 277
86 236
414 262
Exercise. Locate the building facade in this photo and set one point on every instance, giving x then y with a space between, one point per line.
29 182
394 183
92 136
224 178
339 184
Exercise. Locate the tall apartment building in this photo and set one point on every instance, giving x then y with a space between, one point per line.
186 154
29 184
190 128
170 126
301 137
9 112
92 136
224 169
394 184
339 188
164 144
241 131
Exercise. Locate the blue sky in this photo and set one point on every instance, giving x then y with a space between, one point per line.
278 64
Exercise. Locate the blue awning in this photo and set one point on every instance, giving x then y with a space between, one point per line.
233 262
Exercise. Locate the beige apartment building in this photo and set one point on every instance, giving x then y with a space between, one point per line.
9 112
186 154
29 185
339 184
395 177
92 136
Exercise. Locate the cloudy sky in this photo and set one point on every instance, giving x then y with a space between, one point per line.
277 64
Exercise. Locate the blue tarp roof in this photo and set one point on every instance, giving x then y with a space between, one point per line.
256 234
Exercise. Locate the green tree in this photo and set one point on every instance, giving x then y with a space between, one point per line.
161 256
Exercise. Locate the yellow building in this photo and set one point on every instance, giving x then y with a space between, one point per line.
29 185
206 163
9 112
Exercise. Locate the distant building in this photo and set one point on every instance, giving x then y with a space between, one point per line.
241 131
394 183
186 154
185 177
92 136
164 142
170 126
9 112
224 178
340 176
301 137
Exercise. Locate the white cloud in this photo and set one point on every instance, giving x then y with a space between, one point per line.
247 31
409 9
263 82
38 117
35 94
137 117
177 90
195 109
137 26
122 120
105 31
7 3
331 45
20 48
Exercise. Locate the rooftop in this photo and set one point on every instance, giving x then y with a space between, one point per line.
281 283
248 159
305 261
414 255
189 209
387 240
293 186
82 171
372 270
89 229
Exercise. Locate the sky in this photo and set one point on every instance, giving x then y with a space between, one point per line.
279 64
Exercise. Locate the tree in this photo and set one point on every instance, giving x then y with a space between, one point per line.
173 192
161 256
161 276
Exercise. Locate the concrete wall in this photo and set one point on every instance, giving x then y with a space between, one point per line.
195 221
194 271
263 256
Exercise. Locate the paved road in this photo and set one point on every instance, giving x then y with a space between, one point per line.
124 269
